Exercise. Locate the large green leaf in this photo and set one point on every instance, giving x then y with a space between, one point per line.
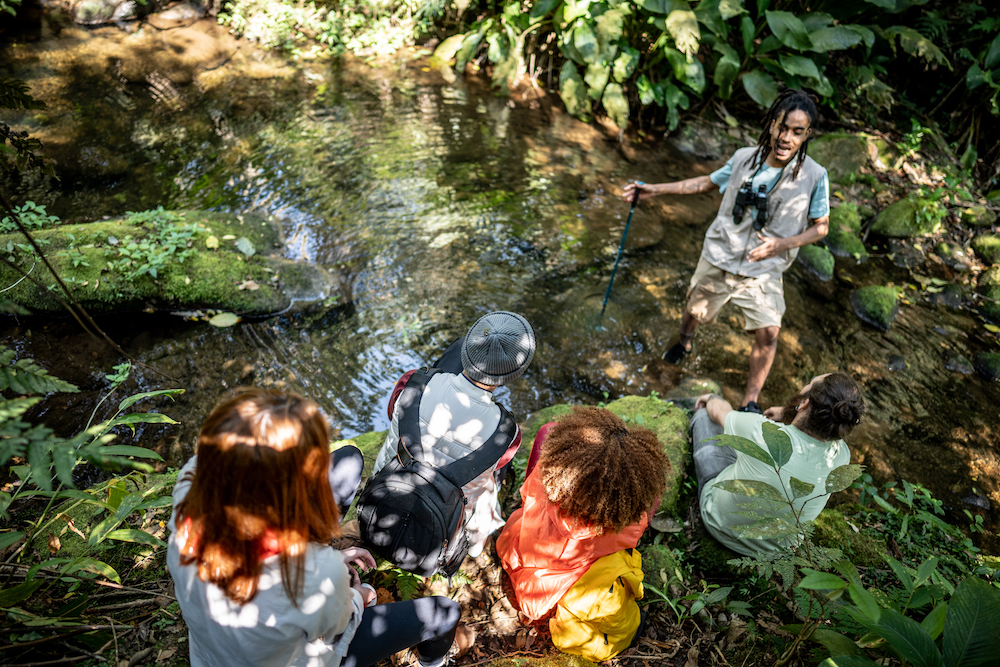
916 44
993 53
95 566
608 26
673 98
688 71
647 94
752 488
884 4
585 42
596 78
541 8
867 36
574 9
761 87
137 536
789 29
11 596
743 445
135 398
909 640
821 581
834 38
730 8
683 27
816 20
615 104
778 443
842 477
933 623
662 6
625 64
834 642
710 16
130 450
573 90
971 637
726 69
7 539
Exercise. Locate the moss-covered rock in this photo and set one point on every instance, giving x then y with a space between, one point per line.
987 246
989 277
953 255
989 305
957 362
687 392
978 216
131 264
950 296
909 217
842 239
988 365
668 421
862 548
659 565
817 260
875 305
842 153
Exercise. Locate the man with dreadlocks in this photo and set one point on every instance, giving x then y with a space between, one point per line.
744 262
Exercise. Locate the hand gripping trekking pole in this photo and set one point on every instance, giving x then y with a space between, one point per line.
621 248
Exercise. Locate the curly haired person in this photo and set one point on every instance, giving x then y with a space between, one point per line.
591 487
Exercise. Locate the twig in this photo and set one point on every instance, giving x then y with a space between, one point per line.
114 637
60 661
84 651
125 605
506 655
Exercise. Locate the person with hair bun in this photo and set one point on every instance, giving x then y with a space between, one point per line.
775 199
254 573
591 487
816 420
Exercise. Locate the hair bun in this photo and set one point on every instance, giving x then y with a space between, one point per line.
847 412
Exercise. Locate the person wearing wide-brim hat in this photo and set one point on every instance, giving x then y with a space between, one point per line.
458 413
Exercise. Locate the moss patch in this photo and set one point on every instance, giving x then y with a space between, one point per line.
978 216
987 246
908 217
208 278
875 305
833 531
659 565
990 277
843 154
842 240
988 365
817 260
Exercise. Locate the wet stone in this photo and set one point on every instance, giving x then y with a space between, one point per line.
843 154
905 255
989 304
957 363
900 220
687 392
987 364
896 363
978 216
949 296
987 246
875 305
953 256
818 261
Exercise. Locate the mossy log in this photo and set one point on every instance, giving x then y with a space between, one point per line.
88 257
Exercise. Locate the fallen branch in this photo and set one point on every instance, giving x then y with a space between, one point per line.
125 605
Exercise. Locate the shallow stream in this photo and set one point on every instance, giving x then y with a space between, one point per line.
440 202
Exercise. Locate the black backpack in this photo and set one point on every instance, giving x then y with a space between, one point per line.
412 514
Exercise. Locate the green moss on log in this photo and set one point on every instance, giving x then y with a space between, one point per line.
875 305
817 260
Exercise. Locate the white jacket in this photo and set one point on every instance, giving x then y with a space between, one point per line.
268 631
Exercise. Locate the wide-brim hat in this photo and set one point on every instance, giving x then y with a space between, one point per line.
498 348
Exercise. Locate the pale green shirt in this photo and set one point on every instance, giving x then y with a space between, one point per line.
811 461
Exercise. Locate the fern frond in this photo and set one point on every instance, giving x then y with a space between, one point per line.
27 377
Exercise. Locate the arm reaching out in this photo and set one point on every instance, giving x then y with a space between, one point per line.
690 186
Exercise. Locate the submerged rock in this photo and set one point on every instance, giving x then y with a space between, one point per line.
896 363
987 246
901 220
687 392
958 363
988 365
842 240
666 420
905 254
875 305
131 264
978 216
843 154
817 260
950 296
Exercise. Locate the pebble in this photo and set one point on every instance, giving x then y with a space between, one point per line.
897 363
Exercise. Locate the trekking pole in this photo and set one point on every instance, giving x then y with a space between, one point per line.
621 248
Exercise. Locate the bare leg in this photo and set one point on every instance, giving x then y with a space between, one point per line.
688 326
761 357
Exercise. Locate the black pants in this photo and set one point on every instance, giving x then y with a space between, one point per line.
427 623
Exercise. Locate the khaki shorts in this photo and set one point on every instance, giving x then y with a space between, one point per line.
760 299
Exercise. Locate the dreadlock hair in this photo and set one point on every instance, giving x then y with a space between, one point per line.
789 100
601 473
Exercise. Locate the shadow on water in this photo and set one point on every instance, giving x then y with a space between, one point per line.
440 203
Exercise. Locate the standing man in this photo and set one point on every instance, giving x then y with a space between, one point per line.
778 202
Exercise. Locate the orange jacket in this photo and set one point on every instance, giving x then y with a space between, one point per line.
545 554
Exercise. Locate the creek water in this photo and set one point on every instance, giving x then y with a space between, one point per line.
437 203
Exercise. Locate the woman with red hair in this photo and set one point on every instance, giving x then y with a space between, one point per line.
254 512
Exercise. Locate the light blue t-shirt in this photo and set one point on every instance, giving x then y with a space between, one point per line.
819 203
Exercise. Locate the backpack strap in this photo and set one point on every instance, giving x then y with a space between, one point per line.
465 469
470 466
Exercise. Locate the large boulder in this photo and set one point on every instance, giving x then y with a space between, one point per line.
987 246
843 154
817 260
666 420
875 305
842 239
909 217
132 264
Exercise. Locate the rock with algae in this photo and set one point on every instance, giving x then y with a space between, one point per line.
666 420
988 365
987 246
818 261
842 239
842 153
832 531
228 266
659 565
978 216
909 217
875 305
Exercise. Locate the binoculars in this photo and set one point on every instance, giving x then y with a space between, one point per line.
758 200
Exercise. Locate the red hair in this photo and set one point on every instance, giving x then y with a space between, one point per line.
260 487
